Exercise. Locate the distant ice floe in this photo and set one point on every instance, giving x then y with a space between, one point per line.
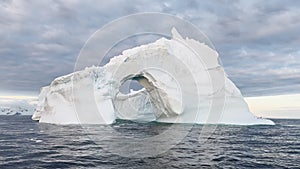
10 106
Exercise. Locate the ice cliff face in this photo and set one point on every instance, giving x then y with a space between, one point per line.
182 79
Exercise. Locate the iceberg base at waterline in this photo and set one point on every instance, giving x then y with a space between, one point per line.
182 81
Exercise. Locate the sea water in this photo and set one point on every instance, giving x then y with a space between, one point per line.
27 144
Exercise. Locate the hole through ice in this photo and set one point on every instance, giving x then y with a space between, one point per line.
129 86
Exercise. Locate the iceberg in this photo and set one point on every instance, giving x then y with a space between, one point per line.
17 106
182 81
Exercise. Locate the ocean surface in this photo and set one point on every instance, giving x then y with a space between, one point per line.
27 144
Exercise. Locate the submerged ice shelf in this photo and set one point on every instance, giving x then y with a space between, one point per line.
182 79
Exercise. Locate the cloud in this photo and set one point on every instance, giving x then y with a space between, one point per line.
258 41
280 106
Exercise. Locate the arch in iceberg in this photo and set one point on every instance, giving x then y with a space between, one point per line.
183 81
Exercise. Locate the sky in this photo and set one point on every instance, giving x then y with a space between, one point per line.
258 41
279 106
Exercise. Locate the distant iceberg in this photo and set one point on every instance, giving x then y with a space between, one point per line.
12 106
182 79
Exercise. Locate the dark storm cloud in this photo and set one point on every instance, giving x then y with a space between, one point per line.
258 41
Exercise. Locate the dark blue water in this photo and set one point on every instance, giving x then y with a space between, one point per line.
27 144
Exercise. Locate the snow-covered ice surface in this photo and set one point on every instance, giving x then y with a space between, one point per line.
183 83
9 106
